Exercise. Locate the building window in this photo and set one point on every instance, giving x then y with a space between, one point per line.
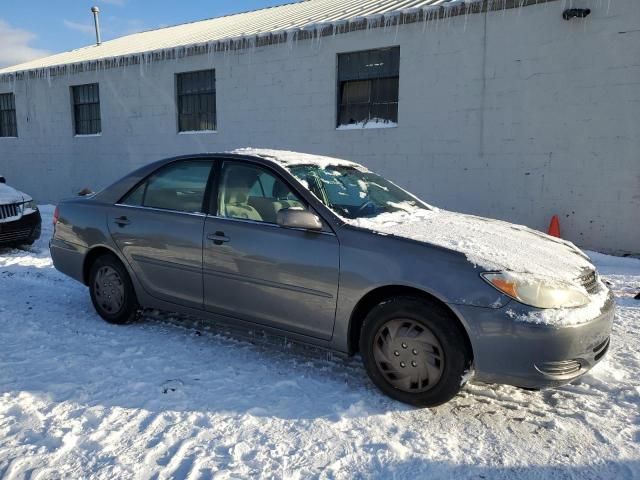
368 88
196 101
8 124
86 109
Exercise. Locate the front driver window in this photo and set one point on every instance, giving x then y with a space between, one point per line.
251 193
180 186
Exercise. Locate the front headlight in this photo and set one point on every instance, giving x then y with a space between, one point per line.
537 292
29 206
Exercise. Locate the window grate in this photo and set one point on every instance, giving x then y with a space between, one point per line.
86 109
8 122
197 101
368 86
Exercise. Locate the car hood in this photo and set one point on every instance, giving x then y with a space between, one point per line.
489 244
11 195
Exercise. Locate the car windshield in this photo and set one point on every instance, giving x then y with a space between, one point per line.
354 192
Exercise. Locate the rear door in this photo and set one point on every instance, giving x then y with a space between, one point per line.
158 227
261 272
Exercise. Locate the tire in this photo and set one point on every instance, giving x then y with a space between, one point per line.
111 290
415 351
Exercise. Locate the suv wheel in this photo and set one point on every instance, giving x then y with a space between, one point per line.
414 351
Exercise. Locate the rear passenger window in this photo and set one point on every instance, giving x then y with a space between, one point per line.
180 186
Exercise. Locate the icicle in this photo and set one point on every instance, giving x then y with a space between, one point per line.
291 36
395 38
281 37
337 25
466 16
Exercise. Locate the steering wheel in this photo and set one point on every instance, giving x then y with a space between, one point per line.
368 204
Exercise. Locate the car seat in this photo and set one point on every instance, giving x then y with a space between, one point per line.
281 194
236 194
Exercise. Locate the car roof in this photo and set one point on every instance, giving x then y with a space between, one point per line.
282 158
278 158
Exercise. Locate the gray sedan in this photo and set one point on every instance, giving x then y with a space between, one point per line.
329 253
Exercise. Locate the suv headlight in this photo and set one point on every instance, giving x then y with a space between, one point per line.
537 292
29 206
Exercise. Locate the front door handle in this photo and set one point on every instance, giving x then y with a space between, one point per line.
218 238
122 221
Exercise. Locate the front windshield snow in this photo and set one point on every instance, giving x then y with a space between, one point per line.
353 193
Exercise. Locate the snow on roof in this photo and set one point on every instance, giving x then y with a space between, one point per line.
306 15
288 159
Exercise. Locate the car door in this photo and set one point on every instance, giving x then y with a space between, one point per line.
158 228
261 272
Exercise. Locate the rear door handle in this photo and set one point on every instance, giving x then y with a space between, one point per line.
122 221
218 238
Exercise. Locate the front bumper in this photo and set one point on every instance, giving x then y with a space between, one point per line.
535 356
24 230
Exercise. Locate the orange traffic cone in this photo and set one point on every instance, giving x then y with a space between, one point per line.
554 227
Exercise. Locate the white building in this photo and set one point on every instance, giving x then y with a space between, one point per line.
501 108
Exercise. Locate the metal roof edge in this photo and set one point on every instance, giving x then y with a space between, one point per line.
308 32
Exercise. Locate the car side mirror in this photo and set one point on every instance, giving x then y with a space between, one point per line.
294 218
2 179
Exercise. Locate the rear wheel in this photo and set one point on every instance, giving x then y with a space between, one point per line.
111 290
414 351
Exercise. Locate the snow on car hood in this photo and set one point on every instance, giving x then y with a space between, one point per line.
497 245
10 195
489 244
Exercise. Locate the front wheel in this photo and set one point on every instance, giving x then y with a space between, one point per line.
111 290
414 351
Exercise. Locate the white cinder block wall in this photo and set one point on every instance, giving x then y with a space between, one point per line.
517 115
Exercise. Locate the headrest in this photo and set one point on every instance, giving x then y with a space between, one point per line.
280 190
238 183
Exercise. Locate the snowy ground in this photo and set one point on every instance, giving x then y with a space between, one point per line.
81 398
